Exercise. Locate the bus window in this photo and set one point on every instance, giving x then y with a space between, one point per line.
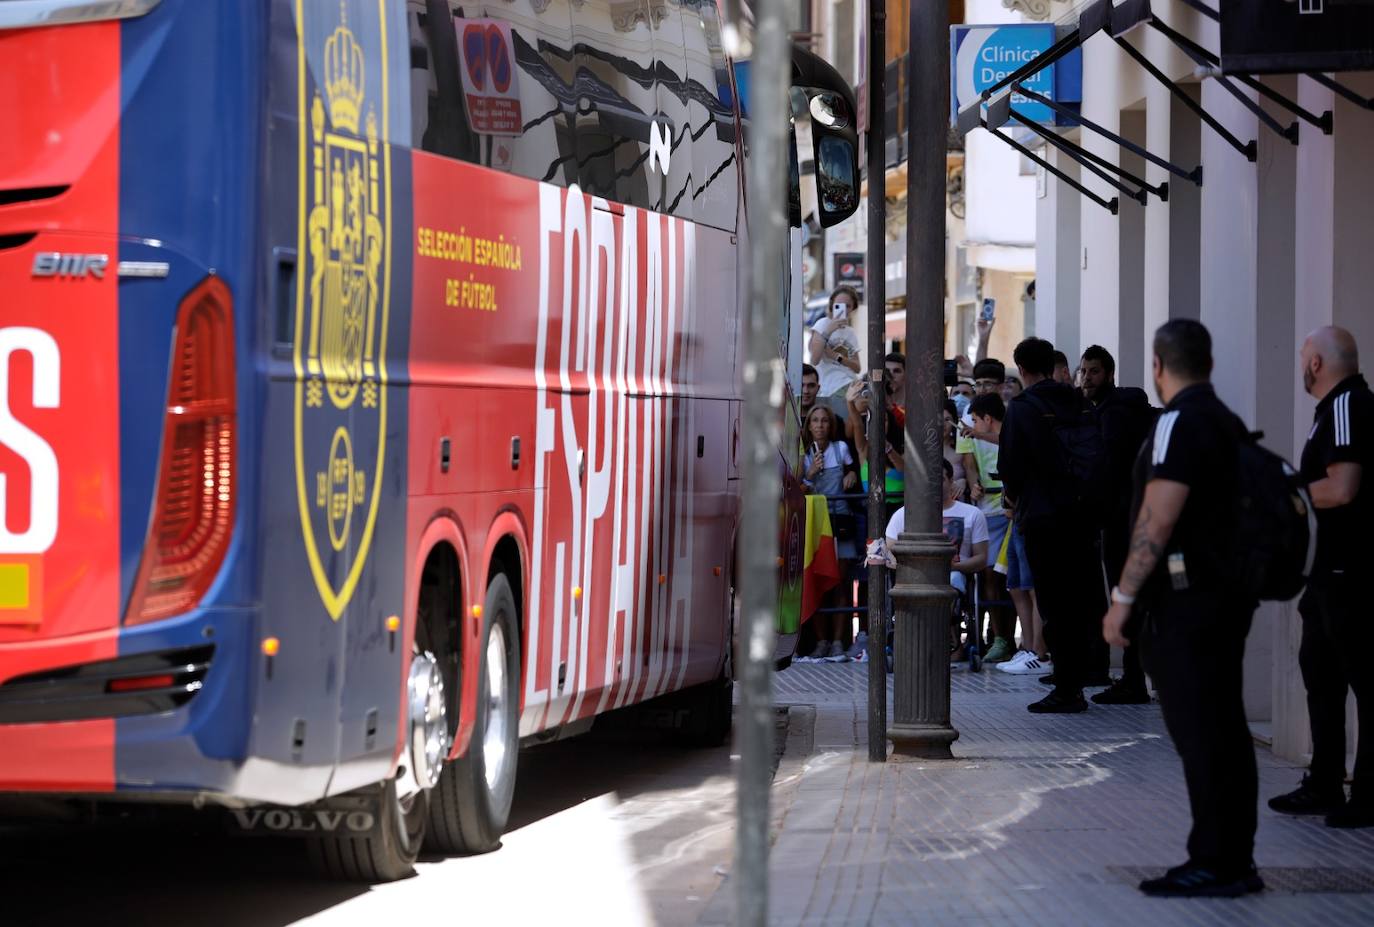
715 180
616 101
494 85
675 171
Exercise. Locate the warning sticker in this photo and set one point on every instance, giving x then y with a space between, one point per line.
490 90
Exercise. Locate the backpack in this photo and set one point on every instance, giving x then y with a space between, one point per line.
1085 484
1275 525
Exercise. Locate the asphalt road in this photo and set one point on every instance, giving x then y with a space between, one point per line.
604 833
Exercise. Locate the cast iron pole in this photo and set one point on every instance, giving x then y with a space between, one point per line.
920 704
764 382
876 285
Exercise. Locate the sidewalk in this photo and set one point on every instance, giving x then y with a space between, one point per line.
1040 820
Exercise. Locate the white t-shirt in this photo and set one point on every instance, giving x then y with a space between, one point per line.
973 526
835 377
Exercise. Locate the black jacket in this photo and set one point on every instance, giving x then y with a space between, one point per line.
1029 458
1126 417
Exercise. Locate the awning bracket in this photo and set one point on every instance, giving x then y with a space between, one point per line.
1195 175
1352 96
1205 58
1112 205
1249 149
1323 122
998 113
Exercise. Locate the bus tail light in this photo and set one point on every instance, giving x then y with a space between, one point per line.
193 508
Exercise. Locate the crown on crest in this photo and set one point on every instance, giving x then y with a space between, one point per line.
343 78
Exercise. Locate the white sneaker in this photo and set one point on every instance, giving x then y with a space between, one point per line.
1021 657
1026 667
859 646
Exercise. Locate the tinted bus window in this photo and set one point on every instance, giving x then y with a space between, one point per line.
710 104
616 101
674 120
494 84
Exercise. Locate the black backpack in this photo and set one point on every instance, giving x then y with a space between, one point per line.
1275 525
1085 477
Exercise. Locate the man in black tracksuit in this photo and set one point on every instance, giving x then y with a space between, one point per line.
1193 639
1060 534
1125 416
1337 627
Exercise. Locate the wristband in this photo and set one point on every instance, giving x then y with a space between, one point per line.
1122 598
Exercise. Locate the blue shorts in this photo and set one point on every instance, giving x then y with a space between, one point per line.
997 530
1018 567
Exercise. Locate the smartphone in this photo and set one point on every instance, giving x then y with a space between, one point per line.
989 309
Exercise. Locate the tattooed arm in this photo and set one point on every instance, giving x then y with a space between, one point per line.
1159 512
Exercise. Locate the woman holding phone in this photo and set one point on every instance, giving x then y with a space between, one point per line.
828 469
834 345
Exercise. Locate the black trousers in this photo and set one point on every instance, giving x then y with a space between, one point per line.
1116 543
1067 567
1337 640
1193 647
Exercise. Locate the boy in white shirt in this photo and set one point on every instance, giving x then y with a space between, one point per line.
964 525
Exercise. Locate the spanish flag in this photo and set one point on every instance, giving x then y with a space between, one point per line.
821 571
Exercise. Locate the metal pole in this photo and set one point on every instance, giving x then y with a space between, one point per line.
876 284
764 375
920 704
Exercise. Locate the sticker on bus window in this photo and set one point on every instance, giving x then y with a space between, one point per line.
490 88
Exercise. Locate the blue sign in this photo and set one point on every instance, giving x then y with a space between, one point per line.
980 56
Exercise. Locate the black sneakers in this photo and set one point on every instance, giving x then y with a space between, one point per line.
1308 799
1122 693
1192 880
1059 702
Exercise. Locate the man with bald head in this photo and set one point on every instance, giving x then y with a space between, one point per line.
1337 621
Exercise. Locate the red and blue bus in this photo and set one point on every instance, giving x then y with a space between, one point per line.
370 382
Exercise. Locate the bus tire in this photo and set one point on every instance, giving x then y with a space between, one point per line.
710 713
385 856
470 806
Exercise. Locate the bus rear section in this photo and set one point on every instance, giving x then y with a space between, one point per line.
126 420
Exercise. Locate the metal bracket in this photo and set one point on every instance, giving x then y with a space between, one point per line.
1052 54
1205 58
1249 149
1195 175
1000 110
1112 205
1352 96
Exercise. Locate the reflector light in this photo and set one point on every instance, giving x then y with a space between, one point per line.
193 510
139 683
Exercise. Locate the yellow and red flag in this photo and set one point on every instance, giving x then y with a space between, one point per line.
821 570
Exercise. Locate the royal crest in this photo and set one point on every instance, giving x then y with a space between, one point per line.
341 328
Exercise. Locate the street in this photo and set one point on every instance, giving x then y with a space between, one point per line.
603 831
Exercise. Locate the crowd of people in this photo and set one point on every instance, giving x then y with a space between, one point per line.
1086 517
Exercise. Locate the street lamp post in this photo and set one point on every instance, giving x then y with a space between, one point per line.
920 705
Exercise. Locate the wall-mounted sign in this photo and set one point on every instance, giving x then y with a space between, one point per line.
490 88
980 56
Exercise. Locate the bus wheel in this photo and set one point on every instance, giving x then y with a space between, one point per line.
384 856
471 804
710 713
401 805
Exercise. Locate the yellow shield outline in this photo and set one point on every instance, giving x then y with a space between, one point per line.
336 601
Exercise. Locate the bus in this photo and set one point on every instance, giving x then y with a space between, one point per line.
370 382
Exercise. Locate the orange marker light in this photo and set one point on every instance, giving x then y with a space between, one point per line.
393 624
270 646
715 571
577 592
779 561
477 611
662 578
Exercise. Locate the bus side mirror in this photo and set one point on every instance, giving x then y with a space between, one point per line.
836 143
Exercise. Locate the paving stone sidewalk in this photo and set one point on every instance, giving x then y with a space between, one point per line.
1040 820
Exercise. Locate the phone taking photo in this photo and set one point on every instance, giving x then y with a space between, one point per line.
989 309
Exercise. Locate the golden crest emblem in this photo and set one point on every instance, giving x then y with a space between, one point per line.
342 292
